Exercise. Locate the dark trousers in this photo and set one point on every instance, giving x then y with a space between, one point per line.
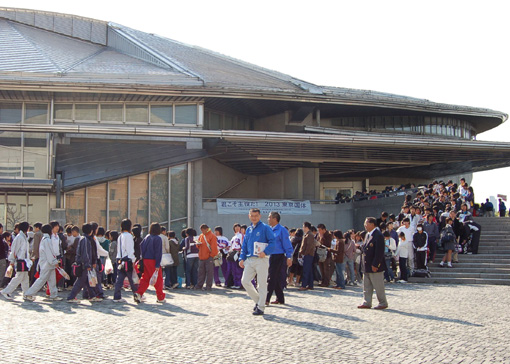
307 278
33 270
121 275
274 284
420 259
402 262
81 282
170 275
191 271
433 248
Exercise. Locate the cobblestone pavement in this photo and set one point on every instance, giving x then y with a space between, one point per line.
424 324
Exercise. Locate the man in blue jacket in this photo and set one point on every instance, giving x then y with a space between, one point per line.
281 255
258 244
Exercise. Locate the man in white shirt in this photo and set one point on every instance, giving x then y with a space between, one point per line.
125 260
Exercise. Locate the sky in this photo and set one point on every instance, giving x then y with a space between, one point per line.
444 51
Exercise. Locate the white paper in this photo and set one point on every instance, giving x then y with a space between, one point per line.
259 247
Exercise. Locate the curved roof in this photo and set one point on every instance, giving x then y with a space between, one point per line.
51 51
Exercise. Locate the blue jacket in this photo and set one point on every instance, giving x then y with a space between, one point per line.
152 248
261 233
282 241
84 251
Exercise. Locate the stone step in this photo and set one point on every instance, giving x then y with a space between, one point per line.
442 280
472 265
452 273
462 269
473 259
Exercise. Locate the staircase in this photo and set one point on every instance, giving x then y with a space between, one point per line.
490 266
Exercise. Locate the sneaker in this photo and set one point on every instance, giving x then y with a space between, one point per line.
120 300
255 307
7 296
258 312
29 298
450 265
236 287
95 299
402 281
161 301
175 285
137 297
143 299
441 264
73 300
56 298
168 288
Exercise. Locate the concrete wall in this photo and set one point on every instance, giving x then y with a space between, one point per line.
341 216
294 183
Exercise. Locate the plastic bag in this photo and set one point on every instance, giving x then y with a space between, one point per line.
154 278
9 271
167 260
136 279
63 273
108 266
92 278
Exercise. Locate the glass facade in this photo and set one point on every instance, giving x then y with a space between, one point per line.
24 155
429 125
137 113
145 198
18 207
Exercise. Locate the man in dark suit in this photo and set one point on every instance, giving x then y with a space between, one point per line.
373 257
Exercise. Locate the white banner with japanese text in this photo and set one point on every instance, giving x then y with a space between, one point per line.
284 207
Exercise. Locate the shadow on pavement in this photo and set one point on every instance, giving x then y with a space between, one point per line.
310 326
432 317
322 313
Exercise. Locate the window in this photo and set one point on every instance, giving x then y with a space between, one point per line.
36 114
137 113
179 191
186 114
138 199
75 207
35 155
16 210
63 112
38 208
159 196
117 203
96 204
10 150
112 112
85 112
10 113
162 114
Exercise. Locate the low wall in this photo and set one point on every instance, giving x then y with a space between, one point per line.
342 216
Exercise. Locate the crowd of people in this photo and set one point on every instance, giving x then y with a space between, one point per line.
263 259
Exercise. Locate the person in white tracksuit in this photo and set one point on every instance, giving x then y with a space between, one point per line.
20 250
47 263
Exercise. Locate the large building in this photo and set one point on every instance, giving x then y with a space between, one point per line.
99 121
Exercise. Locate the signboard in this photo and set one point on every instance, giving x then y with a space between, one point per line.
503 197
284 207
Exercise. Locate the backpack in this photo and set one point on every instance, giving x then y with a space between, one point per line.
447 237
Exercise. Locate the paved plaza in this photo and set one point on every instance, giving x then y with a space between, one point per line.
424 324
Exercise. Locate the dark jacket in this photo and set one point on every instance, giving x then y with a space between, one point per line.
338 252
419 240
373 252
152 248
308 245
174 250
326 240
84 252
